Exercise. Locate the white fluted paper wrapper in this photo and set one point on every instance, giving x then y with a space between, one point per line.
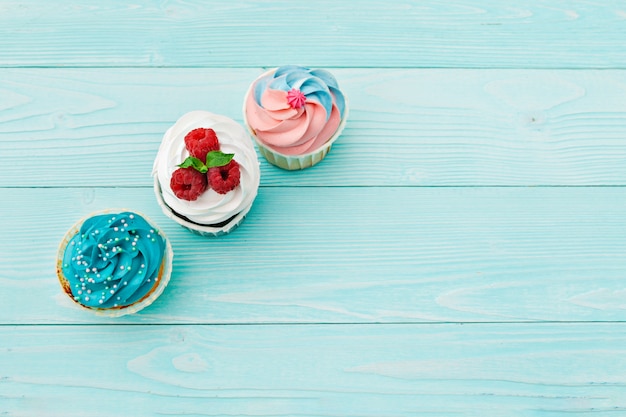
210 231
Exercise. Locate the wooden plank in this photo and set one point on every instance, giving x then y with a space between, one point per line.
461 33
314 370
344 255
406 127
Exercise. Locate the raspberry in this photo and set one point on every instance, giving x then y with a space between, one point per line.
201 141
188 184
225 178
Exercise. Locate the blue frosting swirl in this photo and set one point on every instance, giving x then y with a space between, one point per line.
315 84
114 260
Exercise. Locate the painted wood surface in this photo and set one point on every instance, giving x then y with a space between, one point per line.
461 251
370 33
341 255
406 128
312 370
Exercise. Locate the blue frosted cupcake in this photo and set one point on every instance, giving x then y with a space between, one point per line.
114 263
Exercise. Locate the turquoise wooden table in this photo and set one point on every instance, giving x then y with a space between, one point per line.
461 251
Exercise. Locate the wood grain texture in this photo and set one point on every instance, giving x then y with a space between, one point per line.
310 370
406 127
416 271
460 33
341 255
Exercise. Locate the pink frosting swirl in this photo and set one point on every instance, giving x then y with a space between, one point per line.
294 110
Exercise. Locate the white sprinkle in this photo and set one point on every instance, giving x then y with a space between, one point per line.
101 301
112 292
131 216
79 292
122 267
86 298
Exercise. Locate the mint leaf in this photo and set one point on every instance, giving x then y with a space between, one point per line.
218 159
195 163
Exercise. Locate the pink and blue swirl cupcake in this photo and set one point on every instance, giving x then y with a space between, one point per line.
114 262
295 114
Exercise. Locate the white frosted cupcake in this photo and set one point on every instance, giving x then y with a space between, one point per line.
295 114
114 262
206 173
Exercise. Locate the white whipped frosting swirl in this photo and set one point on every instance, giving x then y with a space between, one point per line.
210 208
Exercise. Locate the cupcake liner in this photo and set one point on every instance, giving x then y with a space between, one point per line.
292 162
209 231
155 292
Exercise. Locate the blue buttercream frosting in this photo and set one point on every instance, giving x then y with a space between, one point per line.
114 260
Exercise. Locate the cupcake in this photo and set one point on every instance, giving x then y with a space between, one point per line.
295 114
114 263
206 173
